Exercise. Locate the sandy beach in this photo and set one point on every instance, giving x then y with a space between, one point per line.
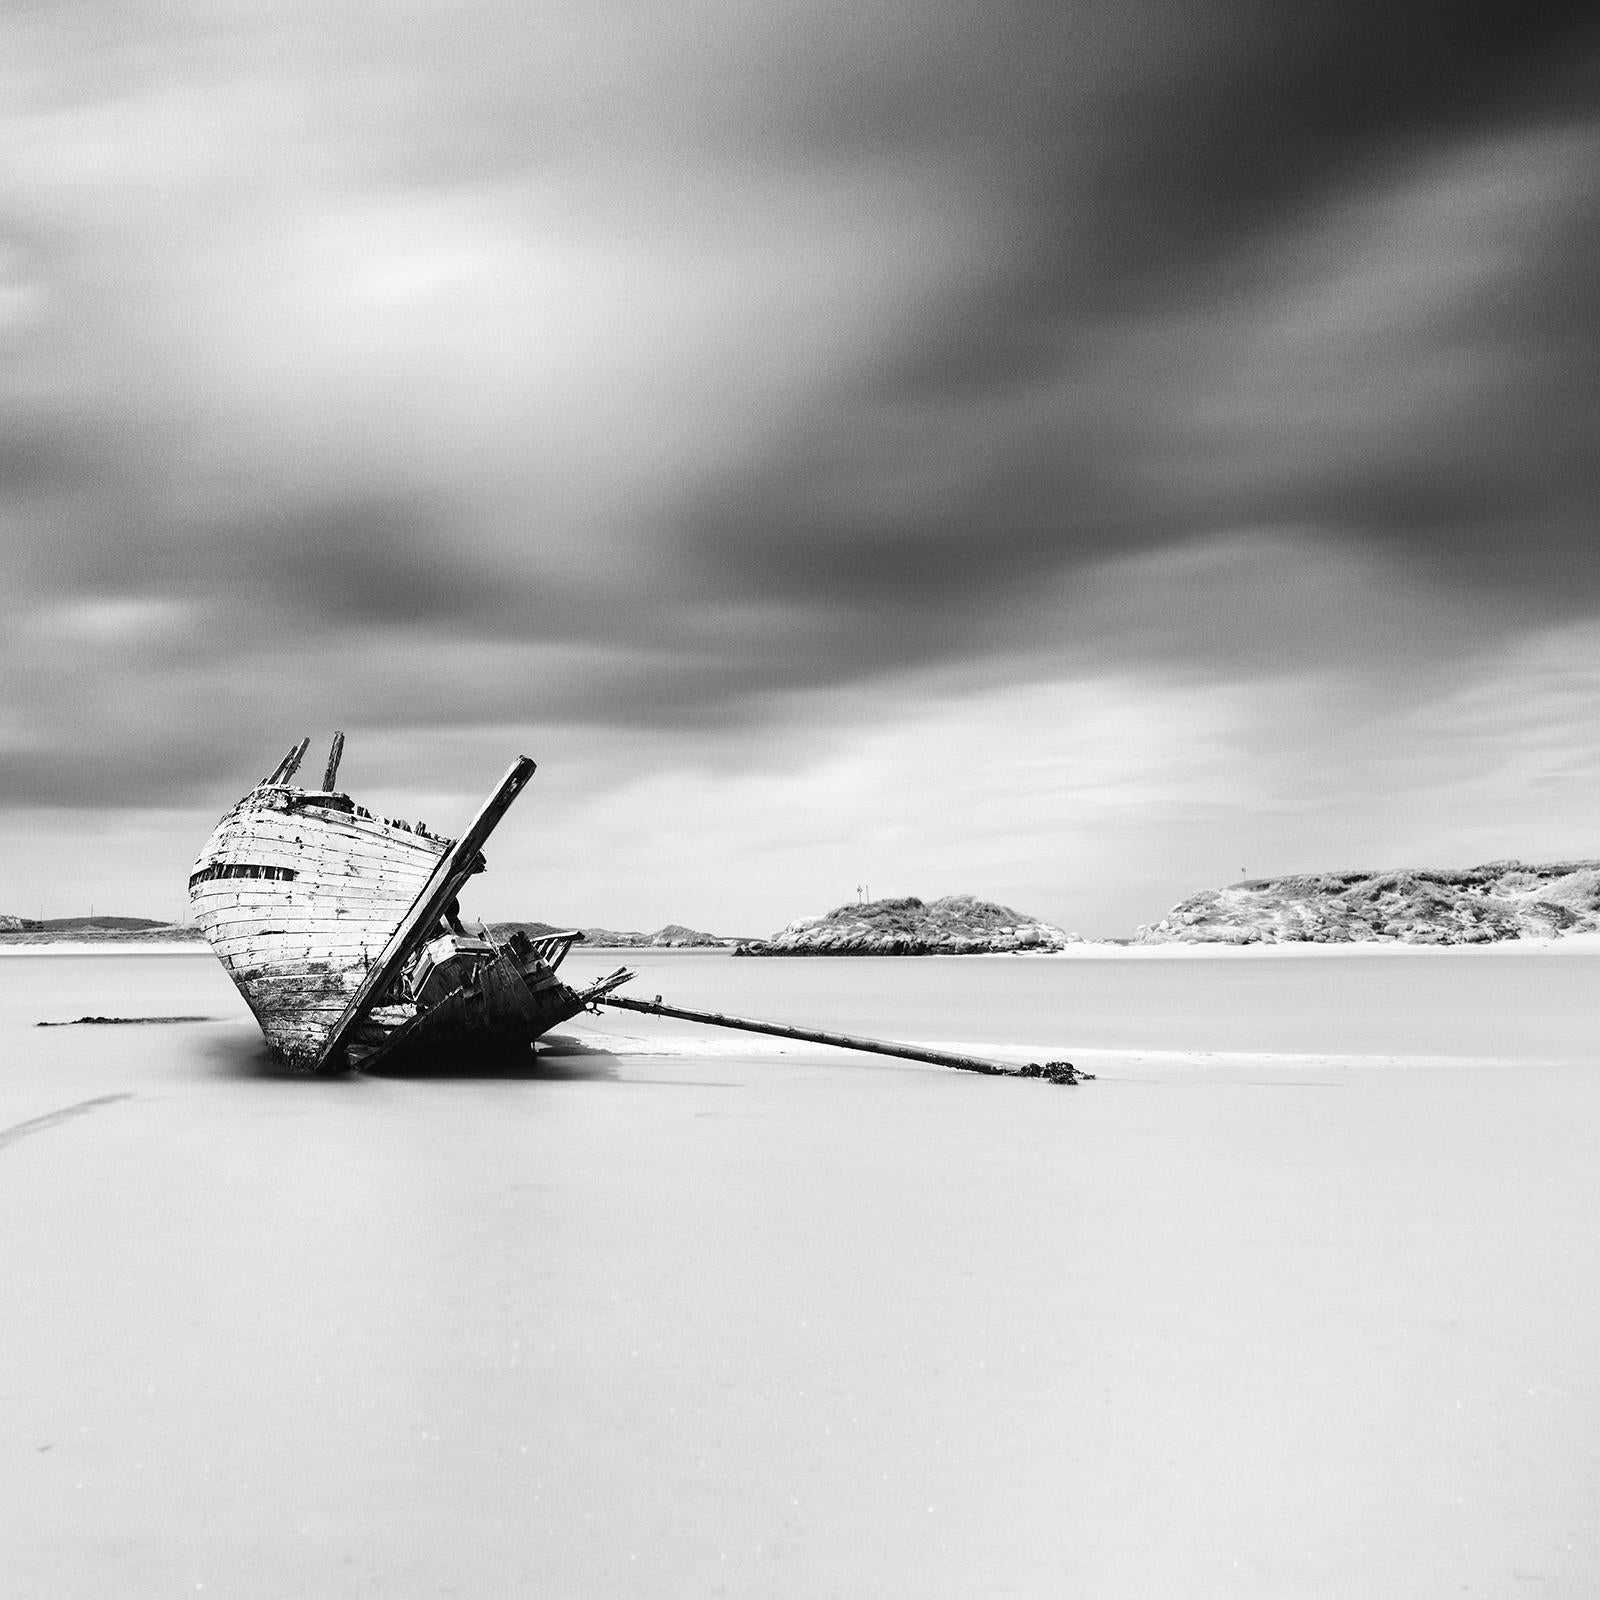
1297 1299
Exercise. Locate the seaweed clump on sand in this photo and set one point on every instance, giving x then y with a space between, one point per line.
118 1022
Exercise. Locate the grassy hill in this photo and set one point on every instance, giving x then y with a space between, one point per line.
1409 905
957 924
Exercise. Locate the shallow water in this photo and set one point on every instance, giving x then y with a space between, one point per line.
748 1318
1474 1003
1516 1005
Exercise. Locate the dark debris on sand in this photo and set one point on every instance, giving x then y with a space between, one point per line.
109 1022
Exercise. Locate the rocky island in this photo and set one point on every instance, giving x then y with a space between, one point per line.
959 924
93 930
674 936
1469 905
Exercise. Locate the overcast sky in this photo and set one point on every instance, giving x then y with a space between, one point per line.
1072 452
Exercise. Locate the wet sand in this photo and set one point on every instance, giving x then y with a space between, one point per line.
1297 1299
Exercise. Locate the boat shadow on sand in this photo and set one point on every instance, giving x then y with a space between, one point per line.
558 1058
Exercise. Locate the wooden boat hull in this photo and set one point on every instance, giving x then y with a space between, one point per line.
300 892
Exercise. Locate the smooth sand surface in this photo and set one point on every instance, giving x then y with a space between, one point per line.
1299 1298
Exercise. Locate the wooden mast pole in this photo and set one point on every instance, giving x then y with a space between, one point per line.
333 763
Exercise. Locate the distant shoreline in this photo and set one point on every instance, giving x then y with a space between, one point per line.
1088 950
27 946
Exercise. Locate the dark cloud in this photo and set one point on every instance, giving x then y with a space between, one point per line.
1301 102
1250 119
169 769
30 462
677 362
361 563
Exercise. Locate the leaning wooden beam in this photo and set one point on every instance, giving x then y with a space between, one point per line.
448 877
295 760
1055 1071
285 769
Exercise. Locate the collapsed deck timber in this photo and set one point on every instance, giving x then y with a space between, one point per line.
340 929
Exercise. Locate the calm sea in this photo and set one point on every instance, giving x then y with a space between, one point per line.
713 1316
1512 1005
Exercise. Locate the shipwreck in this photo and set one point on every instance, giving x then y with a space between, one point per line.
342 929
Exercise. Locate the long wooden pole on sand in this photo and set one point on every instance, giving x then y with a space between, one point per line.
1052 1071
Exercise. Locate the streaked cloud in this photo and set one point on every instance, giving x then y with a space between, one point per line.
703 387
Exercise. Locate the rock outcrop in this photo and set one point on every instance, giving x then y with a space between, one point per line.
959 924
94 930
677 937
672 937
1475 905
